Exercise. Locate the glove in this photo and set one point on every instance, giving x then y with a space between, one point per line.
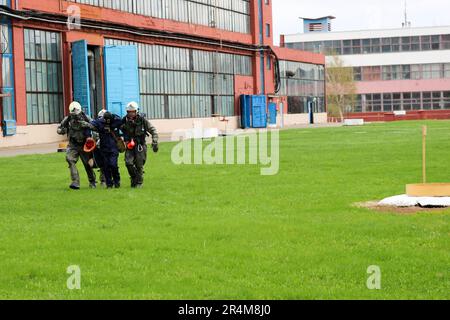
155 147
131 145
61 131
84 124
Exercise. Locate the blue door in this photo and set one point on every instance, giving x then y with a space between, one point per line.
80 67
259 112
121 77
272 113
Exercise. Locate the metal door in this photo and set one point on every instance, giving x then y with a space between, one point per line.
121 77
259 112
80 71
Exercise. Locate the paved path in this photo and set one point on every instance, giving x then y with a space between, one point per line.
31 149
53 147
313 126
45 148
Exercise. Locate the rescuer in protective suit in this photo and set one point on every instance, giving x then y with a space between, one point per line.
135 129
75 125
107 126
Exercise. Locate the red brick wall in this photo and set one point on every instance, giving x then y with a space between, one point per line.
243 85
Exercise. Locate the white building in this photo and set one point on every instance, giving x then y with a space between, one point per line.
398 71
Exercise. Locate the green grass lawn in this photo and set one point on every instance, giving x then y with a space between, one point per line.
226 232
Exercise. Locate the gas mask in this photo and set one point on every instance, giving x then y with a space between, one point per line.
108 117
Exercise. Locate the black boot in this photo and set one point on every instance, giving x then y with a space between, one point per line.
74 186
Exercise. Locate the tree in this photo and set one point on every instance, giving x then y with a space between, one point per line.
341 88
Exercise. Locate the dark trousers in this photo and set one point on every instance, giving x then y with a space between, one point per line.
110 168
135 161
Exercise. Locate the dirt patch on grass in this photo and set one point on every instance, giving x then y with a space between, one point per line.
374 205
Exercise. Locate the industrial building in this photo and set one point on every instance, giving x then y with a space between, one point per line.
400 73
183 60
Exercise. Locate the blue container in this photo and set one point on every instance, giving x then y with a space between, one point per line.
259 112
253 111
9 127
246 111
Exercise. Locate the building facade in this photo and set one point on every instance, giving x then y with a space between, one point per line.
400 73
184 61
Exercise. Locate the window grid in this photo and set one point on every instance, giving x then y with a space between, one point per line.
301 81
403 101
43 72
376 45
231 15
402 72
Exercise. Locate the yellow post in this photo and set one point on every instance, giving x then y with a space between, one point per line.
424 153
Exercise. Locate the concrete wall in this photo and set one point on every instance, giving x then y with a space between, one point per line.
303 118
167 126
39 134
28 135
403 86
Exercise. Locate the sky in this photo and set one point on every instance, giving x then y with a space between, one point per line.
358 14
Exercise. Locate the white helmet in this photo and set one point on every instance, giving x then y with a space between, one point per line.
101 113
132 106
75 108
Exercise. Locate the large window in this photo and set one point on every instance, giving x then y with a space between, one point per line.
303 82
185 83
402 72
386 45
6 85
447 70
416 101
376 45
43 76
432 71
446 42
387 102
426 100
430 42
446 99
406 101
369 73
231 15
